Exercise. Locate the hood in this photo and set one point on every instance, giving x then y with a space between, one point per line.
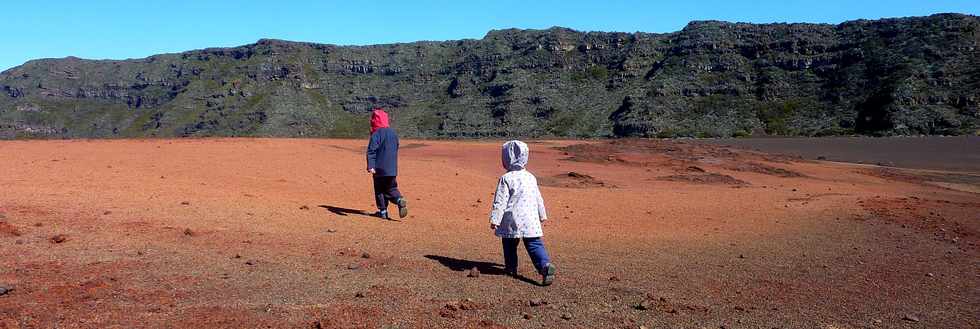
379 119
514 155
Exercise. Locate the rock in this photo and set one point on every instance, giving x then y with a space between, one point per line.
5 289
614 278
331 231
911 318
353 266
107 212
930 275
474 273
189 232
237 256
304 207
566 316
249 262
185 203
526 316
59 238
359 295
365 255
644 305
537 302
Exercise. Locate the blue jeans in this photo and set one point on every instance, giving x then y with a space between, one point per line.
535 249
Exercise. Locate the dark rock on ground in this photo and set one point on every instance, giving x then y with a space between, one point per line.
60 238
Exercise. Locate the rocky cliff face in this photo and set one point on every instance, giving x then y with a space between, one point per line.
896 76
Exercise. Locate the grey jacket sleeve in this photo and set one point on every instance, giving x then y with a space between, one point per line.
500 199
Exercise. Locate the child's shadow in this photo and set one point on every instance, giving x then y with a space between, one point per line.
340 211
486 268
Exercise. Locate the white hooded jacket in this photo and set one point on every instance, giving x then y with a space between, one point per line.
518 207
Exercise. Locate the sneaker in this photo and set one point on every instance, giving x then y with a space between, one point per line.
548 276
402 207
382 214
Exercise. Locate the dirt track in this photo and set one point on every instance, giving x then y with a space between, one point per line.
268 232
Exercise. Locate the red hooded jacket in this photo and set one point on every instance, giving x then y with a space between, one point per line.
379 119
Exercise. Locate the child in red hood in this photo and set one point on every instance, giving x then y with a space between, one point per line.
382 163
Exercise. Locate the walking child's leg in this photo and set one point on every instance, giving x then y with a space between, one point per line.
392 191
535 248
396 197
510 254
537 252
379 196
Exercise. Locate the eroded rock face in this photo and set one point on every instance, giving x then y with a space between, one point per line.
895 76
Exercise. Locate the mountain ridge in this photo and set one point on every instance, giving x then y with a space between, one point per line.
896 76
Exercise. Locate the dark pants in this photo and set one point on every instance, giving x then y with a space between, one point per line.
385 190
535 249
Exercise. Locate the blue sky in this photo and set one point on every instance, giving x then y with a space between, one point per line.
139 28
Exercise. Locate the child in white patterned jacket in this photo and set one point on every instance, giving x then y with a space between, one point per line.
518 211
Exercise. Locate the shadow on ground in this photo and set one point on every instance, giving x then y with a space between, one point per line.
485 268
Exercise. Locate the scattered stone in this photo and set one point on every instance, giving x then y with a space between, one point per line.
537 302
566 316
479 200
5 289
331 231
877 321
474 273
359 295
741 256
304 207
365 255
185 203
614 278
189 232
911 318
59 238
526 316
644 305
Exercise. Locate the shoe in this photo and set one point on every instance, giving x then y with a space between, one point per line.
382 215
548 277
402 207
